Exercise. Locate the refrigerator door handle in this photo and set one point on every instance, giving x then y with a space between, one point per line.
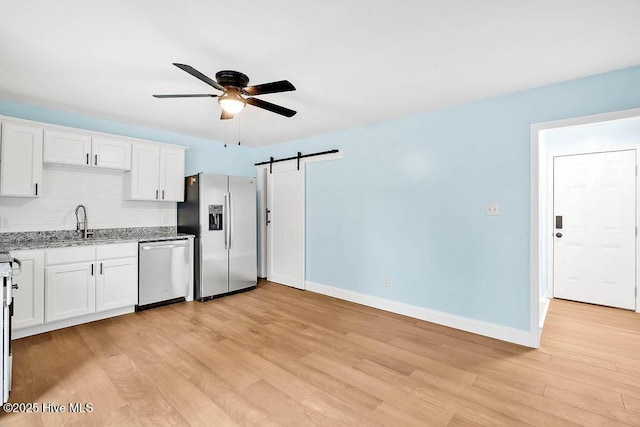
225 215
230 221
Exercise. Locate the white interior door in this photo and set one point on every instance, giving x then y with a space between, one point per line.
594 243
285 230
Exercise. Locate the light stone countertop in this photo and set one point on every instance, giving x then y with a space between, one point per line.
67 238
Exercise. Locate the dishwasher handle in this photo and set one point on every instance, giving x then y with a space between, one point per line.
168 246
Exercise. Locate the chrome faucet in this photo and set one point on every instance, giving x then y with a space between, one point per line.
85 232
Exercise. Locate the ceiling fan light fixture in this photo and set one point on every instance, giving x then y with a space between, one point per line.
231 104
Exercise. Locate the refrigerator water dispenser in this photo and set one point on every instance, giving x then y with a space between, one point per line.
215 217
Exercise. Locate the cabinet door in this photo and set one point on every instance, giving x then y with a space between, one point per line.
66 148
20 160
111 153
172 174
144 176
28 299
69 291
116 283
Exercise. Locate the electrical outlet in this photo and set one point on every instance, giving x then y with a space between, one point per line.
4 222
385 281
492 209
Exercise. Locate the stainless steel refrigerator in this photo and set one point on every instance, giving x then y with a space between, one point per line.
220 211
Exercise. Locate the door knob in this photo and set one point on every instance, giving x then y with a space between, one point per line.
558 234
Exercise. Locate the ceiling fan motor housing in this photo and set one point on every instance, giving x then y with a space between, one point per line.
232 78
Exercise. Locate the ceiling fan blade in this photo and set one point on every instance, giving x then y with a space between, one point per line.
197 74
225 116
273 87
271 107
187 95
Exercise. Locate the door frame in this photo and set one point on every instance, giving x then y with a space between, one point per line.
537 216
550 203
263 247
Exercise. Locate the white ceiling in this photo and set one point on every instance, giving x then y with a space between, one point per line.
353 62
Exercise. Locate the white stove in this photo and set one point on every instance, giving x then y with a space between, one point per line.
8 268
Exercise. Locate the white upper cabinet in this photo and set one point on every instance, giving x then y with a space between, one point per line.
145 171
20 160
75 148
172 174
157 173
66 148
156 169
111 153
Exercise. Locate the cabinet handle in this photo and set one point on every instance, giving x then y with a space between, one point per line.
14 286
96 160
92 269
156 194
162 194
87 158
36 188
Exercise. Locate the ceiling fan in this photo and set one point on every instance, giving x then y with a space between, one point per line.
235 92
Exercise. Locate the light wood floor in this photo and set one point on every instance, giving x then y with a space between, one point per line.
279 356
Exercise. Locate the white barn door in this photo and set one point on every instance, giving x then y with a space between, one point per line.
286 224
595 228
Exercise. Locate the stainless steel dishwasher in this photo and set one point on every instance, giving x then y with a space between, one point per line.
163 272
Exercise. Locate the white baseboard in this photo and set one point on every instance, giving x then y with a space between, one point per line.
504 333
544 308
47 327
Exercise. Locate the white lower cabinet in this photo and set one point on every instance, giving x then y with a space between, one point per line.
90 279
70 290
117 283
28 298
68 286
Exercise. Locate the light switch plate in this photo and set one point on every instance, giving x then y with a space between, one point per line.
492 209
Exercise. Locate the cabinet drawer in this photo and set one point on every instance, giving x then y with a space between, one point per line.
119 250
70 255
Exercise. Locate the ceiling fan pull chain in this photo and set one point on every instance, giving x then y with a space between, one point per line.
226 128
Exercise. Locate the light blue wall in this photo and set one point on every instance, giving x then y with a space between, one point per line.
407 200
203 155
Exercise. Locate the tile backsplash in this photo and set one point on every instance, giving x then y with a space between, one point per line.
101 191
